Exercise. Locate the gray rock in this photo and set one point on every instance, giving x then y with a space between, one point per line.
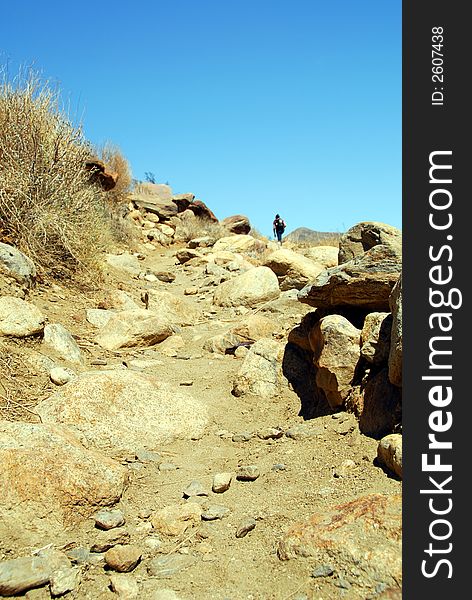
395 359
124 262
63 581
323 571
389 453
215 511
304 431
61 342
247 473
17 265
243 436
375 337
21 574
109 519
245 527
195 488
99 317
261 372
166 566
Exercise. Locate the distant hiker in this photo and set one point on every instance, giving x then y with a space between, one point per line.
279 227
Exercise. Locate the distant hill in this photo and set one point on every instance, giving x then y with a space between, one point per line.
306 235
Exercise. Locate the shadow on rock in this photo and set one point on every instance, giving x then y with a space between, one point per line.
299 370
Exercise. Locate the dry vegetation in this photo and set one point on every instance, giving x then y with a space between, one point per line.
48 207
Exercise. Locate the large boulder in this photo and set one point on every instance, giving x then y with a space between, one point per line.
124 411
364 236
49 479
19 318
293 269
395 359
60 341
362 536
17 265
183 201
239 243
201 210
134 328
261 373
252 287
124 262
375 337
237 224
365 281
381 406
323 255
155 198
175 309
335 345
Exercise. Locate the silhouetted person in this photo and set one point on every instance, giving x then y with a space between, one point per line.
278 227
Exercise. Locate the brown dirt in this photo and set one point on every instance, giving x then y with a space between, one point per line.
227 567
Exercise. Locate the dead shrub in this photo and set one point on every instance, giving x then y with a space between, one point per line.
48 207
112 156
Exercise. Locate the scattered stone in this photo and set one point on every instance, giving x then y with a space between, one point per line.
256 285
17 265
247 473
63 581
304 431
187 383
109 519
322 571
293 270
19 575
79 555
270 433
261 371
131 328
243 436
61 375
389 453
237 224
123 558
166 566
146 456
191 291
99 317
19 318
61 342
99 362
344 468
165 276
215 511
167 466
221 482
245 527
109 539
279 467
175 519
124 585
195 488
124 262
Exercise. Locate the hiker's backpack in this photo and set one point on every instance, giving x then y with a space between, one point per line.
279 224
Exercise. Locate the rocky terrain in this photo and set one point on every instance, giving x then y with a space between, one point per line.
219 419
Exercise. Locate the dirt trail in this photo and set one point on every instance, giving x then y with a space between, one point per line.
298 476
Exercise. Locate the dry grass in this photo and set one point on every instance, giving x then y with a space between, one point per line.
48 208
112 156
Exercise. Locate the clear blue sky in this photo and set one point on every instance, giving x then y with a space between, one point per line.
255 106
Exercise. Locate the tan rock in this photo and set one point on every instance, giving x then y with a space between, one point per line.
257 285
239 243
395 359
327 256
364 534
375 337
389 453
293 269
19 318
364 236
175 309
175 519
123 558
131 328
58 340
382 408
49 479
124 411
260 373
335 345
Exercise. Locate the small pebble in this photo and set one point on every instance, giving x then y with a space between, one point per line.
167 467
123 558
166 566
243 436
99 362
195 488
279 467
109 519
245 527
124 585
64 581
109 539
247 473
215 511
323 571
146 456
188 383
221 482
270 433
